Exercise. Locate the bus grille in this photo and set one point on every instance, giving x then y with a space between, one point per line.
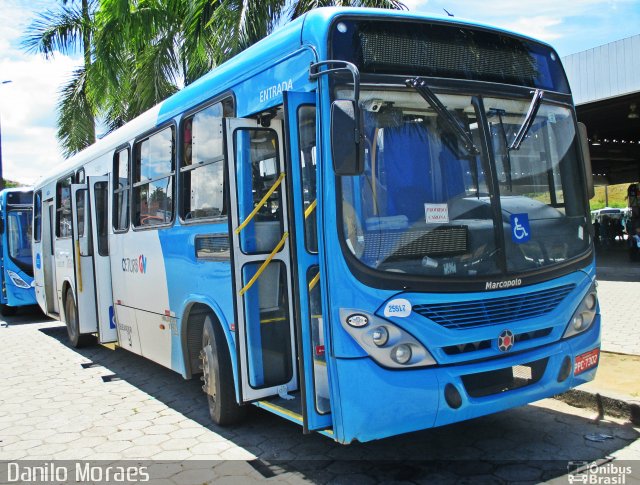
481 313
486 344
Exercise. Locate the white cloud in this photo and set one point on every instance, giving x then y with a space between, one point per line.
28 103
538 27
549 20
28 109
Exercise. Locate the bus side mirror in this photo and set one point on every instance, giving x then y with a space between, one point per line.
347 153
586 157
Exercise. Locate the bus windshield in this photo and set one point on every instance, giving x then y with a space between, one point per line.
426 204
19 238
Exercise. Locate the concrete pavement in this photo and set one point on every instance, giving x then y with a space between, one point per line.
98 404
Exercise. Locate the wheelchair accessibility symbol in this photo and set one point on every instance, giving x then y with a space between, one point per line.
520 230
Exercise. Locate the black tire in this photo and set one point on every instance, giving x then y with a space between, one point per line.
218 376
76 339
7 311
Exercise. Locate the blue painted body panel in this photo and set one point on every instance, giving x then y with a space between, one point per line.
195 281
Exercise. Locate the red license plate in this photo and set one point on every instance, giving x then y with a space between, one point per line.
586 361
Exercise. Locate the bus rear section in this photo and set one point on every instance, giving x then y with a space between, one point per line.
17 261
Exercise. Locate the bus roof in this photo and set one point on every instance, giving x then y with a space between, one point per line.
310 29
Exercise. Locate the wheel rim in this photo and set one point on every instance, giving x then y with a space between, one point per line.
71 319
209 377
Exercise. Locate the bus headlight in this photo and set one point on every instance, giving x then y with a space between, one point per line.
16 280
380 336
585 314
388 344
401 354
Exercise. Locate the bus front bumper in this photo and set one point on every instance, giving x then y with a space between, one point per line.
377 402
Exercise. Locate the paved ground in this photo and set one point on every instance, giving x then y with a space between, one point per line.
619 305
619 292
121 406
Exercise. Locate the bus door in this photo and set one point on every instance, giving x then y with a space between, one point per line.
300 125
83 259
100 210
48 256
265 343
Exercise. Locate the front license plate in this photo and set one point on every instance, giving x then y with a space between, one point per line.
586 361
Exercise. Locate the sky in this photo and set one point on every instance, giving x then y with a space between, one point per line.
28 102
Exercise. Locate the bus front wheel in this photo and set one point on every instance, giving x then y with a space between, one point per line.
218 376
73 327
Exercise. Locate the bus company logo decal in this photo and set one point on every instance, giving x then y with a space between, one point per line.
501 285
135 265
505 341
275 90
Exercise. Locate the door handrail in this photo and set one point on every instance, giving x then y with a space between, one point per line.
311 208
273 188
263 266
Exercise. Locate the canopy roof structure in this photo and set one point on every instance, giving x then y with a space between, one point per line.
605 82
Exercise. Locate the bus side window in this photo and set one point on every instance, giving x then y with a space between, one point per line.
37 216
202 166
63 207
121 187
102 220
153 176
307 137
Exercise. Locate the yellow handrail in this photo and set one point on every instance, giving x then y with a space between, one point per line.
264 265
310 209
260 204
314 282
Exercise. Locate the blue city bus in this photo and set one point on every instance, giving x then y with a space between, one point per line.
16 213
370 222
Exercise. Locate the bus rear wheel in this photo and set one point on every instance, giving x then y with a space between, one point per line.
76 339
218 376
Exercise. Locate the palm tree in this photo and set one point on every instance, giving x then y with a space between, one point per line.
142 56
139 52
68 29
237 24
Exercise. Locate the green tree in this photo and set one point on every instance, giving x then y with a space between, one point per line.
138 52
68 29
142 56
238 24
145 50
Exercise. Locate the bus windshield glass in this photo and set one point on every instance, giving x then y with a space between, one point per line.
19 238
425 203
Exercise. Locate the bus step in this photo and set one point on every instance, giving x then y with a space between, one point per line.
290 409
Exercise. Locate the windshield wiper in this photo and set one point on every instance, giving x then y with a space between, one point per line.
420 85
528 120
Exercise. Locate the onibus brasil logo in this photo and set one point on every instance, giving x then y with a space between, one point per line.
135 265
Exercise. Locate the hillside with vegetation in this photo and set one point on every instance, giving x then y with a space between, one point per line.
617 196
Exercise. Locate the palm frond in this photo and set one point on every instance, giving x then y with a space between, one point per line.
303 6
55 31
76 124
